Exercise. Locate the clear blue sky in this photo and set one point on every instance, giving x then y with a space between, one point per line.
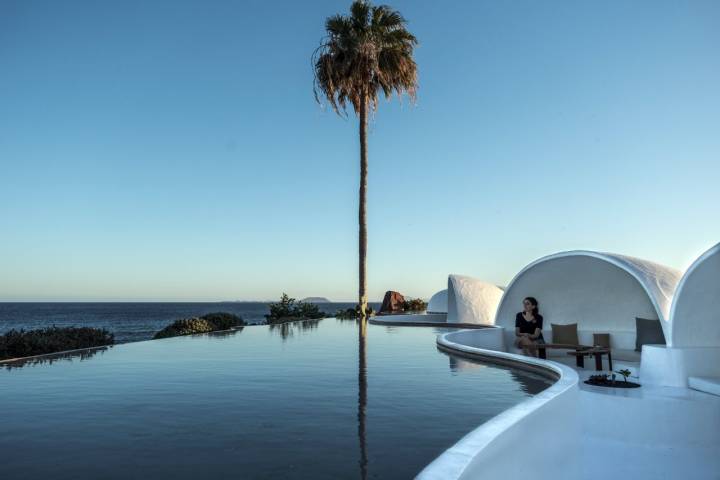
173 150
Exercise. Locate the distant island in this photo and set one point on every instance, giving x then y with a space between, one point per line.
315 300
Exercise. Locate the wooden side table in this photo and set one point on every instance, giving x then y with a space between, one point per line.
597 352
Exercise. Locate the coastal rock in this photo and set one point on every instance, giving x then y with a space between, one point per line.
392 303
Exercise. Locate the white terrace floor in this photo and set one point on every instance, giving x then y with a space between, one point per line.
651 432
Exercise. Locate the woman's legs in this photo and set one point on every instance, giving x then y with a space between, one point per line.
524 344
532 347
528 346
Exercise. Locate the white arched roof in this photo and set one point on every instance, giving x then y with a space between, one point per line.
695 320
438 303
470 300
594 289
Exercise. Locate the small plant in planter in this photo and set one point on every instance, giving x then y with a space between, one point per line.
605 380
625 374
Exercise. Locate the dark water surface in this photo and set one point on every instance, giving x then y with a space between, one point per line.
297 401
130 322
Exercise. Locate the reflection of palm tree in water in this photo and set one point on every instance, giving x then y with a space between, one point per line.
362 394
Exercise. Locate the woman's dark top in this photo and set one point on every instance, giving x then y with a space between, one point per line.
529 327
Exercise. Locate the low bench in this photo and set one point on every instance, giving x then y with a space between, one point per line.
580 352
557 346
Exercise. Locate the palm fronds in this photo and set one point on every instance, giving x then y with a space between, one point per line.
362 55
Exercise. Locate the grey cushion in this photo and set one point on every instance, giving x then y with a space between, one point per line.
565 334
601 340
649 332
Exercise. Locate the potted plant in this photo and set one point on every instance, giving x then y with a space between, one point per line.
605 380
625 373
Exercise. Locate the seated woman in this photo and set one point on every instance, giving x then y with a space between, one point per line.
528 327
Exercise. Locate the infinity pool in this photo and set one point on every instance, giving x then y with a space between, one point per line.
297 401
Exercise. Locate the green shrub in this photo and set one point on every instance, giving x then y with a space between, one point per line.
21 343
282 309
415 305
186 326
211 322
288 309
308 311
224 321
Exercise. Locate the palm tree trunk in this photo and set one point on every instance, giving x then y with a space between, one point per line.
362 214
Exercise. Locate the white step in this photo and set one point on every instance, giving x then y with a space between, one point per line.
705 384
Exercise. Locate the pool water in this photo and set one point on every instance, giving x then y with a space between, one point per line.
295 401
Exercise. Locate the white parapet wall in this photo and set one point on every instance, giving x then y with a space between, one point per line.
671 366
490 338
548 422
410 319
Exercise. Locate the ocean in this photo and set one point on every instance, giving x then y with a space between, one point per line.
130 322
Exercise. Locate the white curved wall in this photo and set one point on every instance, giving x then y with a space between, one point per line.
438 303
471 300
599 292
696 307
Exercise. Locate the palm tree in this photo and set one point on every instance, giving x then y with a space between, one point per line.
364 53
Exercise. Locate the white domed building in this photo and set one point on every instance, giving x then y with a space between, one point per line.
438 303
